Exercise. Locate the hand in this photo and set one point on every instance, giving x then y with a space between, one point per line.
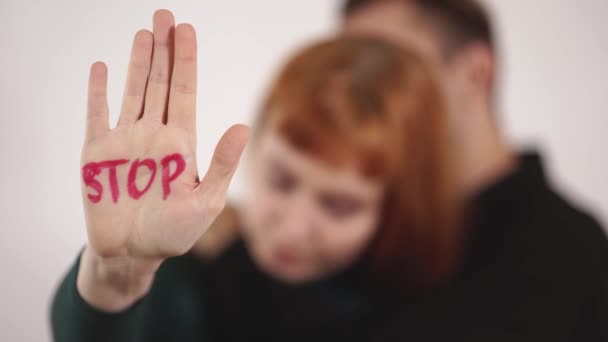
142 196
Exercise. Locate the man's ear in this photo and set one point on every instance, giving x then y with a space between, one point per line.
478 63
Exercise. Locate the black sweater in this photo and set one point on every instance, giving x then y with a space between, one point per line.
536 270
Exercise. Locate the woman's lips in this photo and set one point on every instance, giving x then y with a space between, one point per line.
286 256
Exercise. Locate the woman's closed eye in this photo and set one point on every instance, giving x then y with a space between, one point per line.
281 179
340 206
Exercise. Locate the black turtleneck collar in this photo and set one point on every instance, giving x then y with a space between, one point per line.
513 194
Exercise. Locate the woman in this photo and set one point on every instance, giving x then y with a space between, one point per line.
351 207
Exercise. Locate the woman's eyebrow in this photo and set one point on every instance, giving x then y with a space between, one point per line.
278 164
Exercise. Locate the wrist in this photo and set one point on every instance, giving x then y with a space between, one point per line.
114 284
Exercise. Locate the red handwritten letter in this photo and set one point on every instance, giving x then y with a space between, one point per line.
167 177
112 164
89 172
132 187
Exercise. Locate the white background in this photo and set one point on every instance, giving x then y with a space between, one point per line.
553 81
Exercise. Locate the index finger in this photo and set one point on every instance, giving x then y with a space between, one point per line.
182 95
97 102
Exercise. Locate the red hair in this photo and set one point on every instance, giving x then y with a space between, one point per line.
361 100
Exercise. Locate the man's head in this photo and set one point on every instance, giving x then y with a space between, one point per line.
453 23
455 38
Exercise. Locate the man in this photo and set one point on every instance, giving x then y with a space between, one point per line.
536 268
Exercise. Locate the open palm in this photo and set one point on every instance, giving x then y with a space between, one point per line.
141 190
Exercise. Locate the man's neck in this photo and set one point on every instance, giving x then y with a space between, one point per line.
485 157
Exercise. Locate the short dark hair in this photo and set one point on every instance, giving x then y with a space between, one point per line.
459 22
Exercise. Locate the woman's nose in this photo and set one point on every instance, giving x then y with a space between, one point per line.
298 219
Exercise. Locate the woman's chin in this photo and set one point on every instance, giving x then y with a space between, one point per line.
289 273
292 277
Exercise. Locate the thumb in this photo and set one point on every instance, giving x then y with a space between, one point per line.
224 162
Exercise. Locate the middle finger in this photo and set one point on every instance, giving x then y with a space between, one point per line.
157 91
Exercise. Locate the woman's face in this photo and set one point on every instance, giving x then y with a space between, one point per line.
304 219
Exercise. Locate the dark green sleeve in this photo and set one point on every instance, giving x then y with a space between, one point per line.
171 311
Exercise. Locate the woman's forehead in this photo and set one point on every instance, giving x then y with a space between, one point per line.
274 149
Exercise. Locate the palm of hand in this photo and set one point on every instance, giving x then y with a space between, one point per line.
141 189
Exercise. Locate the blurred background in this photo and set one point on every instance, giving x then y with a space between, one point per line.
553 97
